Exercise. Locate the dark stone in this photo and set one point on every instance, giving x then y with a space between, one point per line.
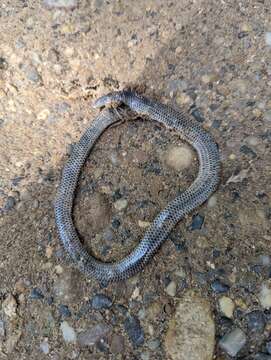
197 222
261 356
256 321
153 167
15 181
116 195
248 151
242 34
218 287
3 64
197 115
115 223
268 347
216 124
64 311
216 253
101 301
133 329
36 294
10 203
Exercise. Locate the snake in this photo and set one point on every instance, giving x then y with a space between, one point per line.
205 183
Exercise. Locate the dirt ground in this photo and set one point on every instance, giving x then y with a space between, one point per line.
210 58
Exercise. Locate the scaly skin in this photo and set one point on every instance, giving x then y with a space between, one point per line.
199 191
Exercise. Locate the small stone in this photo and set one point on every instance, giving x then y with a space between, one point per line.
198 115
117 344
2 329
36 294
9 306
68 332
64 311
115 223
191 332
178 50
212 201
256 321
268 347
12 341
143 224
145 356
197 222
218 287
68 4
179 157
226 306
44 347
43 114
267 116
233 342
268 38
120 204
31 73
209 78
101 301
92 335
10 203
153 344
183 99
171 289
133 328
261 356
265 295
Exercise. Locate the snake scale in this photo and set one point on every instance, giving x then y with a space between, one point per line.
195 195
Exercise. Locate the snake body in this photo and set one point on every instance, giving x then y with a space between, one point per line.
195 195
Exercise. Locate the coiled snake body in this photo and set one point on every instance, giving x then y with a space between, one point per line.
199 191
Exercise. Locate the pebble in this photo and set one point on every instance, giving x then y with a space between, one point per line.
191 332
92 335
267 37
218 287
101 301
197 222
179 157
68 4
9 306
120 204
64 311
267 116
153 344
255 321
68 332
117 344
233 342
134 330
261 356
145 356
171 289
44 347
2 329
226 306
197 115
36 294
31 73
143 224
10 203
265 295
212 201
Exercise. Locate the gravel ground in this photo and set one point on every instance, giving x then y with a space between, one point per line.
207 292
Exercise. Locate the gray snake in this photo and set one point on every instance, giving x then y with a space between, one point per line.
196 194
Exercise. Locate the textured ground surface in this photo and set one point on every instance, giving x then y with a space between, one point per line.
210 58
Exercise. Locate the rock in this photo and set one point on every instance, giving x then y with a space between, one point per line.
92 335
2 329
261 356
101 301
64 311
115 223
134 330
218 287
197 222
233 342
268 347
31 73
171 289
179 157
36 294
44 347
212 201
10 203
267 37
197 115
9 306
12 341
145 356
117 344
226 306
265 295
68 332
68 286
121 204
67 4
267 116
191 332
153 344
143 224
256 321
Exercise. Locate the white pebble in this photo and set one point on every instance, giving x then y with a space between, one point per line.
226 306
44 347
121 204
265 296
68 332
268 38
179 157
212 201
171 289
